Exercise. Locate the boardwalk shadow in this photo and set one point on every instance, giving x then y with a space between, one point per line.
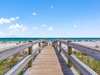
64 66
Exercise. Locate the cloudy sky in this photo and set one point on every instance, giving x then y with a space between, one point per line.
51 18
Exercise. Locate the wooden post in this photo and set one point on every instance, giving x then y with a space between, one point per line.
69 52
39 44
60 46
30 52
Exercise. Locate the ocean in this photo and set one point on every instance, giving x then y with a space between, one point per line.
47 39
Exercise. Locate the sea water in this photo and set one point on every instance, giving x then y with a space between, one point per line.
47 39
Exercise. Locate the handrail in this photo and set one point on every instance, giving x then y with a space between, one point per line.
45 43
18 67
93 52
85 70
54 43
5 53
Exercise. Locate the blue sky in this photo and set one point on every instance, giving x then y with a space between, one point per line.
49 18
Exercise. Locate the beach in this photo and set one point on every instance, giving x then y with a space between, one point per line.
19 56
5 45
86 43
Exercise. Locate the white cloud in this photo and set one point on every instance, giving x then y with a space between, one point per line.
51 6
35 28
5 20
75 26
17 27
34 14
44 25
50 28
17 17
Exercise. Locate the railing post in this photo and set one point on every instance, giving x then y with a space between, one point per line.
30 52
60 46
69 52
39 44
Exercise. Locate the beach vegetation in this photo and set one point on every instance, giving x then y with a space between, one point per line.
89 61
11 61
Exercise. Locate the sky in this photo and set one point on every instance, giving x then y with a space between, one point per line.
49 18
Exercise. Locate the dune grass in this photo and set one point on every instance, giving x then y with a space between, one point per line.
89 61
10 62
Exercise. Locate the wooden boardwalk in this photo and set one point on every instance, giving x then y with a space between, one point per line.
49 62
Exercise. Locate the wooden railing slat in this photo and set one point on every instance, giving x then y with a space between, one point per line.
18 67
93 52
5 53
85 70
11 51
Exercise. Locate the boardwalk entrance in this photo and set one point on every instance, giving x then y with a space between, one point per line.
49 62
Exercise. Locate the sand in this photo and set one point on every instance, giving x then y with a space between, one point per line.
91 44
7 45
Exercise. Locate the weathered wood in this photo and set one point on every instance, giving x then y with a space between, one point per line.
91 51
18 67
69 52
11 51
54 43
5 53
30 52
85 70
39 44
60 46
44 43
45 63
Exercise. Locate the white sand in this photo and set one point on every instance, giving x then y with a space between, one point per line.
7 45
90 44
93 44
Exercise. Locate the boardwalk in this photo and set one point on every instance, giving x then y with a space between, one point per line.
49 62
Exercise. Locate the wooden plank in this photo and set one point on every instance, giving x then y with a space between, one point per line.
29 53
85 70
91 51
64 64
5 53
54 43
46 63
44 43
69 53
11 51
18 67
49 62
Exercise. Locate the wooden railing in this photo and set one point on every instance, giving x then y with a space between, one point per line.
84 69
72 60
6 53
